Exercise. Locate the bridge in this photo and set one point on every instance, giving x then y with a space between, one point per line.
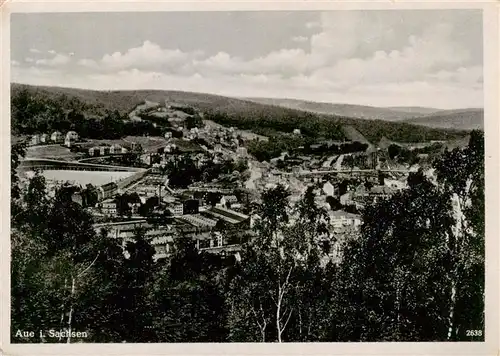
51 164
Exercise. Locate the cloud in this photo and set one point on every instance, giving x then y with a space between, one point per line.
51 51
147 56
14 63
34 50
300 39
352 57
313 24
58 60
29 60
432 92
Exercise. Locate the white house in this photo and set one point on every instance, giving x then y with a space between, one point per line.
340 219
35 140
56 137
44 138
72 135
68 141
329 189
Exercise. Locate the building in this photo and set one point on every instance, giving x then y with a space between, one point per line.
35 140
296 132
232 217
56 137
77 198
168 134
218 148
116 149
242 151
177 209
340 219
346 199
116 229
44 138
228 201
69 142
103 150
108 208
107 190
94 151
72 135
329 189
380 192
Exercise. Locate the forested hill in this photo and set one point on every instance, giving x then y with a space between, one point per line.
467 119
350 110
56 103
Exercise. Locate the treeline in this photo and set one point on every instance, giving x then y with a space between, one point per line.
310 125
32 114
183 171
319 126
415 272
404 155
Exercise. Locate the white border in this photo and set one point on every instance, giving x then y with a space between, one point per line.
491 89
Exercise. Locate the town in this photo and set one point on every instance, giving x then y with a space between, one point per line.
199 179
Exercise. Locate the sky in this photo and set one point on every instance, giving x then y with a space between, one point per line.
429 58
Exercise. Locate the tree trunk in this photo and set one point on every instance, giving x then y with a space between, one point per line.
452 310
278 313
70 316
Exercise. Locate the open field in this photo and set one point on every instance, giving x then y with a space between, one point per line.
85 177
52 151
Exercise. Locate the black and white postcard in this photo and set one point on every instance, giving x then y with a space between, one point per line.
250 178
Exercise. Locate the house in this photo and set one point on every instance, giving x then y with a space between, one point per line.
35 140
329 189
346 199
115 149
228 201
242 151
108 208
296 132
218 148
177 209
56 137
380 192
69 142
103 150
340 219
77 198
168 134
44 138
94 151
107 190
72 135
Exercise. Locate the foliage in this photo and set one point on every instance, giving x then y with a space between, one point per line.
415 271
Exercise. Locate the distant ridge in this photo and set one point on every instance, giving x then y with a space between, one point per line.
260 118
417 110
466 119
351 110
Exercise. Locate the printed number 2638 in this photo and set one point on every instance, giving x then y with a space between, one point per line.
474 332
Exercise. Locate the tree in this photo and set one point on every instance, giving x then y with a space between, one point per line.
193 121
419 260
122 205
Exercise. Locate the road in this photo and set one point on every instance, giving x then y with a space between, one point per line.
255 173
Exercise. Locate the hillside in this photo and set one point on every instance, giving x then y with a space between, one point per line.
467 119
415 110
260 118
355 111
